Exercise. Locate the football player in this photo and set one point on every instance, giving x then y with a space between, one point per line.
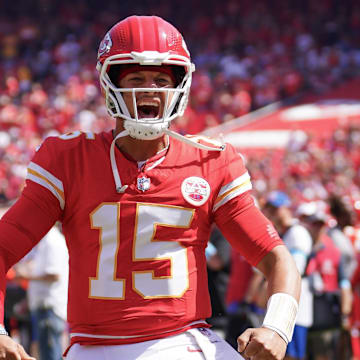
136 205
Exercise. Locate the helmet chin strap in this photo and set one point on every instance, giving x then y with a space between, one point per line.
194 143
143 131
121 188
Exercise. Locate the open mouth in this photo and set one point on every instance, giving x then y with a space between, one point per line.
148 109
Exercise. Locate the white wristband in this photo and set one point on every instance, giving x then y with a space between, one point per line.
3 331
281 315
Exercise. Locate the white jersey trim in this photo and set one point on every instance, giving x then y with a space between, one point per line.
233 189
93 336
238 181
42 177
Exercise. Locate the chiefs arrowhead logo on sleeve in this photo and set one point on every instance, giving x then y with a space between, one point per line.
196 191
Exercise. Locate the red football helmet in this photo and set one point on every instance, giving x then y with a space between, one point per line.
146 41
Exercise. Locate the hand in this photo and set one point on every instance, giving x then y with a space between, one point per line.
261 344
10 350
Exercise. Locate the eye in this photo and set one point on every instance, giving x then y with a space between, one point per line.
135 79
164 81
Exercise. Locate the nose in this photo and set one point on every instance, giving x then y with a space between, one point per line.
150 82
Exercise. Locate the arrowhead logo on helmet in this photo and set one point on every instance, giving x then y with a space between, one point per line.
105 45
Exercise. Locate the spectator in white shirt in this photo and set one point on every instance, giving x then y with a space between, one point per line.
48 272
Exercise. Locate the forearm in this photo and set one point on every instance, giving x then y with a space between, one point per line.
284 285
284 281
281 272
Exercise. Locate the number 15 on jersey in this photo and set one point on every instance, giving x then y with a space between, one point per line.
106 285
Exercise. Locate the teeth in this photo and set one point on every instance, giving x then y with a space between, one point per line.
148 103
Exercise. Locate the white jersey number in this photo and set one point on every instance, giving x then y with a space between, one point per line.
145 248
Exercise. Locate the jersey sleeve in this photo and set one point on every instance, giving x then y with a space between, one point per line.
237 216
44 180
247 229
235 178
33 214
21 228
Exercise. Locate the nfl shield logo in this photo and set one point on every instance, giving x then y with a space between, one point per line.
143 183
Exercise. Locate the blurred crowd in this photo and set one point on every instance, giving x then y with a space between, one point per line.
313 169
247 54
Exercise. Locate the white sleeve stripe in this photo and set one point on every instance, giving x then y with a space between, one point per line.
48 186
243 185
238 181
45 174
34 173
233 194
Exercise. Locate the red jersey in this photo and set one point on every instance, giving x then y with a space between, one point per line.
327 262
240 275
355 284
137 258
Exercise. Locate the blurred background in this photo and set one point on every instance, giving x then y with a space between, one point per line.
248 55
279 80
